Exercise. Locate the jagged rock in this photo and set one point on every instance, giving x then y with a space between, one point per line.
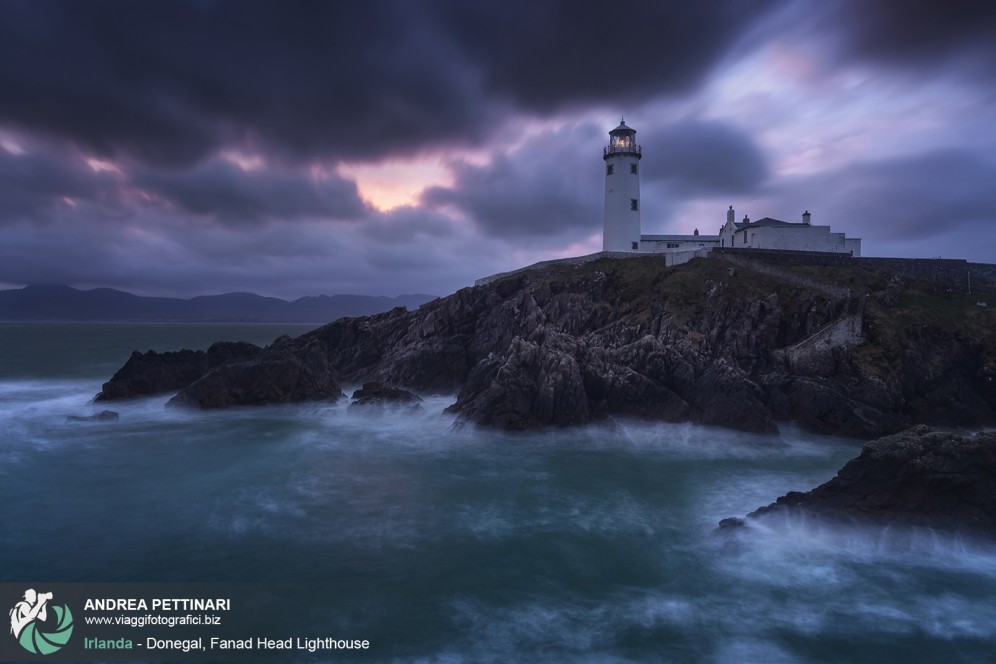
531 385
282 373
566 345
228 352
147 374
728 398
632 381
918 477
731 523
378 394
102 416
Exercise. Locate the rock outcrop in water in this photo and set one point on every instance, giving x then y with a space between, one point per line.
847 351
918 477
378 394
102 416
285 372
150 373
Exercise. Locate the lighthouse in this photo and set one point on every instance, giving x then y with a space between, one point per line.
621 231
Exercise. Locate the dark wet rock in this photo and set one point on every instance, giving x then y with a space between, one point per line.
285 372
102 416
146 374
731 523
378 394
531 385
567 345
229 352
919 477
151 373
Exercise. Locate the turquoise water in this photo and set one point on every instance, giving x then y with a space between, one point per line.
447 545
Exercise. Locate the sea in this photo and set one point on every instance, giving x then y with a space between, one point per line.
442 543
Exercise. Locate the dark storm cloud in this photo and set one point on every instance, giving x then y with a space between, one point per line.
34 186
919 32
230 195
169 83
700 158
546 187
545 55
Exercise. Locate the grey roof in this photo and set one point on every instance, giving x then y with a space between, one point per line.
679 238
768 221
622 128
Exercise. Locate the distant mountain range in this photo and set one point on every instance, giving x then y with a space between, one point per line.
62 303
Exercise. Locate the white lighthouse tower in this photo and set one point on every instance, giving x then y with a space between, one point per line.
622 190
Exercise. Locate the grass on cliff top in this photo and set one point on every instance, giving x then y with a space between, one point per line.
638 286
919 307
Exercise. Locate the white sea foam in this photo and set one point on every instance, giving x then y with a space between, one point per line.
565 545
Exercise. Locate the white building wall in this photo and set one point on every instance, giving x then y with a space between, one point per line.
691 244
795 238
621 230
726 235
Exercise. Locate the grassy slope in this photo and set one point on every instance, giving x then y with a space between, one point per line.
895 316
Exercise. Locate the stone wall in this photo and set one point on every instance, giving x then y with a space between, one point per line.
954 275
812 355
682 257
789 257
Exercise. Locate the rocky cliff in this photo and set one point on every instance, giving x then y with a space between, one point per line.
853 350
920 477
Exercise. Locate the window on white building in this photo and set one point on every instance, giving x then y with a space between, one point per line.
634 204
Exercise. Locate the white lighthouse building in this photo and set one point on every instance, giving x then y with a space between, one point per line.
622 231
622 190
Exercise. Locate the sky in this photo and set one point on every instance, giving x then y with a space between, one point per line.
406 146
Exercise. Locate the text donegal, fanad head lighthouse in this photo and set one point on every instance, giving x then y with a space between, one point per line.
622 190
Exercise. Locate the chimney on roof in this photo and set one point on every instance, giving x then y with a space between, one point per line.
696 232
807 218
730 215
746 219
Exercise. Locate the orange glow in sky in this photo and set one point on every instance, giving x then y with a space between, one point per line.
393 183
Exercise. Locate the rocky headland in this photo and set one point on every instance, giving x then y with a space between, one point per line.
919 477
854 348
